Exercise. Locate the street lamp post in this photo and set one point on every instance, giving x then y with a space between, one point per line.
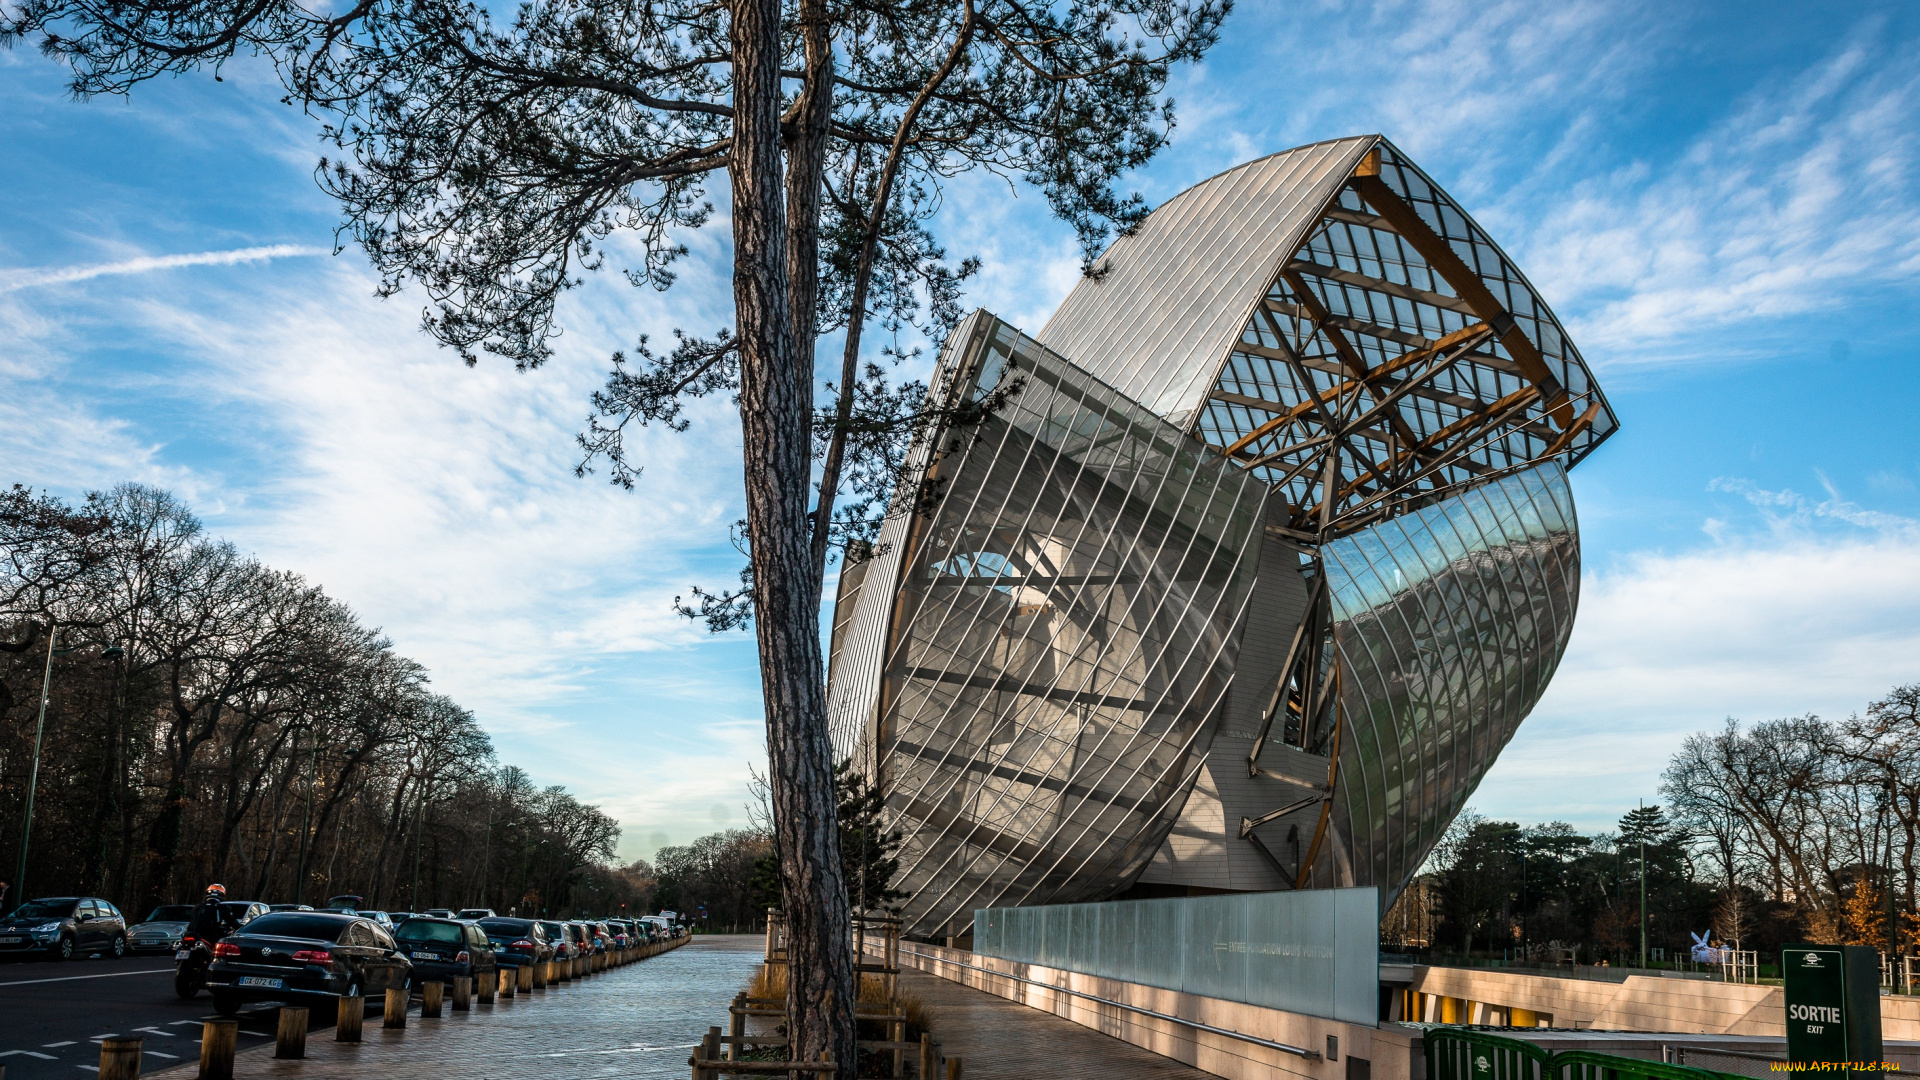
39 736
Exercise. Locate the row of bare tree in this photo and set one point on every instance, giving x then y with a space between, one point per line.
1820 817
213 719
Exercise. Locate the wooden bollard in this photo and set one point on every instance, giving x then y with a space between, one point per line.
737 1025
509 984
926 1056
462 993
489 985
346 1023
217 1039
119 1059
539 969
523 977
953 1068
290 1041
397 1000
431 995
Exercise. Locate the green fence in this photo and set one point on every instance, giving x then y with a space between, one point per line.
1453 1054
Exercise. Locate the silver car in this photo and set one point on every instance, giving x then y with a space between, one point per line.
162 930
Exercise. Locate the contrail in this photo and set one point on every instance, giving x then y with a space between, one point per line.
11 280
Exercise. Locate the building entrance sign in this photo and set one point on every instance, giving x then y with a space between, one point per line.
1833 1003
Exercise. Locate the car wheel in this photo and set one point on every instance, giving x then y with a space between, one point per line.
119 946
63 949
226 1004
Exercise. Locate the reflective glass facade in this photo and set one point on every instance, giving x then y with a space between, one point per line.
1064 636
1450 621
1265 557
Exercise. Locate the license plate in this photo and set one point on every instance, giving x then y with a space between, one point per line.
11 940
256 980
181 955
426 955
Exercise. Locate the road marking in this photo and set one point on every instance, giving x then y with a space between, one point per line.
50 1046
156 1053
176 1023
108 1035
30 1053
77 978
89 1068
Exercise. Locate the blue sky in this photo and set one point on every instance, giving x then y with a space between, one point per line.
1721 201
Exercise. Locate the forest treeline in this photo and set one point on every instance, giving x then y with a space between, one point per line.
1798 829
214 719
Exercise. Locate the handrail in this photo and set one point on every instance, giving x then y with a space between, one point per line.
1310 1055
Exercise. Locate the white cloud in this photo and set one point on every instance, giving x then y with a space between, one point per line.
1805 191
1787 623
12 280
318 428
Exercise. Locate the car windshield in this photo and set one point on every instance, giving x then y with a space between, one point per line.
171 913
300 924
57 908
423 930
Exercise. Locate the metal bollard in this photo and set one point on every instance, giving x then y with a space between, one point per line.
217 1039
290 1041
396 1016
462 993
431 995
523 977
119 1059
346 1024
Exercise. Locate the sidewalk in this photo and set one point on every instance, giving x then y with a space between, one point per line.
998 1039
641 1020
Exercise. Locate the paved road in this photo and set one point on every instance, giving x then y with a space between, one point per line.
56 1013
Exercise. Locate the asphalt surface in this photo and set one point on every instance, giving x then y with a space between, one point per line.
53 1015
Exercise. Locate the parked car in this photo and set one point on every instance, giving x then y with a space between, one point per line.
301 954
441 949
289 907
475 913
384 918
622 934
162 930
346 902
565 937
438 913
63 927
517 941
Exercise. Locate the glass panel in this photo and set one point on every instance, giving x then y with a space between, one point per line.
1314 952
1069 614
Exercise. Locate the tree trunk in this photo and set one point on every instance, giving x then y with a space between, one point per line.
776 383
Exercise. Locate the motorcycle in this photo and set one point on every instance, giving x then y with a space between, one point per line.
190 967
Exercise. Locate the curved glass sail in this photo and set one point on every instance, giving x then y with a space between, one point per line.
1449 622
1067 625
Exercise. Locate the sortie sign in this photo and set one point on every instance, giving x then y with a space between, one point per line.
1833 1003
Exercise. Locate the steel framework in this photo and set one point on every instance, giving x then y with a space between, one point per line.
1289 469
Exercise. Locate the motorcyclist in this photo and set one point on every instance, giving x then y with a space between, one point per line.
210 923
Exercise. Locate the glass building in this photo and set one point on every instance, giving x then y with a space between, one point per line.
1236 576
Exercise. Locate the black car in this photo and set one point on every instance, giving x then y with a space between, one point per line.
287 955
517 941
443 948
63 927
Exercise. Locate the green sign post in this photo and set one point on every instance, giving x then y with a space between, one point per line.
1833 1003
